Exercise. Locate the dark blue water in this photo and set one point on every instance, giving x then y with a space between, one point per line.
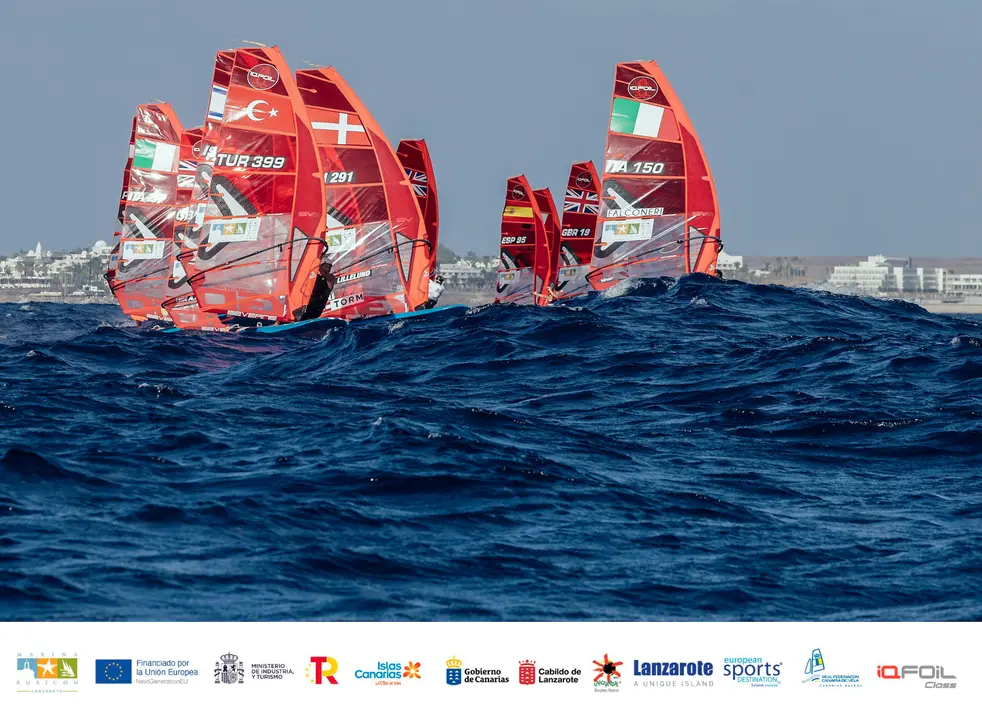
695 450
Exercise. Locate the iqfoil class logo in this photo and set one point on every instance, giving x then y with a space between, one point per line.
815 674
752 671
933 676
47 673
668 674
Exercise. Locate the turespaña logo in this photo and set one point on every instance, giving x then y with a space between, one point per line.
322 667
164 672
113 672
608 677
752 671
411 671
669 672
229 670
47 673
934 676
815 674
526 672
454 673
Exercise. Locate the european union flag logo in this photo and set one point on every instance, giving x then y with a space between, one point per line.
113 672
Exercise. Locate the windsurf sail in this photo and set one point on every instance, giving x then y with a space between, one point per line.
141 264
181 304
581 208
522 232
546 246
258 248
415 158
659 215
375 237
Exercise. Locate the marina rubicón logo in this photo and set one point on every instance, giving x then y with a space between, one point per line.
668 673
934 676
113 672
454 672
752 671
608 677
321 668
229 670
815 673
47 673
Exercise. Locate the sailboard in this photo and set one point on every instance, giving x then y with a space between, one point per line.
140 265
547 248
262 210
415 158
522 233
659 215
181 304
375 235
581 208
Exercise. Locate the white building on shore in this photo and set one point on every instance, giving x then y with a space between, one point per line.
729 262
882 274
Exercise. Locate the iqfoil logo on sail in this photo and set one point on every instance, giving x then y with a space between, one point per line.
668 674
752 671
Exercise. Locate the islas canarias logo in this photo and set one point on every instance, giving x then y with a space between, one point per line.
321 668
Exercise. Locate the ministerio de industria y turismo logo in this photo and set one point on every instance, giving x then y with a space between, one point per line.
47 673
815 674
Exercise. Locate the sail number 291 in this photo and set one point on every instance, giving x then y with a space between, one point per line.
339 178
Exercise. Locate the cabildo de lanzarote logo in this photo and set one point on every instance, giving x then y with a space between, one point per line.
47 673
529 673
673 674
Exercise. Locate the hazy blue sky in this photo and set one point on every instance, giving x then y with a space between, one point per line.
832 127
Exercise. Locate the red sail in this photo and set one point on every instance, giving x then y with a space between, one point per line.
415 159
546 247
659 215
376 237
522 232
255 257
181 304
149 204
581 208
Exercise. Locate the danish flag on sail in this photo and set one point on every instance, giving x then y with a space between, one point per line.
659 215
415 158
376 238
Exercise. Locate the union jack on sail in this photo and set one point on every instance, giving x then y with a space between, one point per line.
418 181
581 201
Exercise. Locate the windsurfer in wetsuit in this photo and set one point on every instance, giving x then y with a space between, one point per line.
323 287
552 293
435 291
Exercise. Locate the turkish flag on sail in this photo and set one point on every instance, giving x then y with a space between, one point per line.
259 111
337 128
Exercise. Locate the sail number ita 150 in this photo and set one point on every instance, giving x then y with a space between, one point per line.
634 168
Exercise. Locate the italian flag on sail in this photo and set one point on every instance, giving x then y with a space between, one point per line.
149 155
634 118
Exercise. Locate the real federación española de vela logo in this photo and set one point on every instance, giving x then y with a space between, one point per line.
47 673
